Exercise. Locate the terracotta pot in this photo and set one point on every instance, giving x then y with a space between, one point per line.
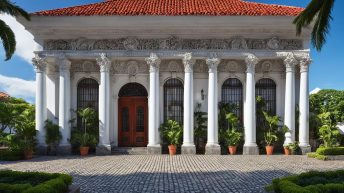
172 149
287 151
232 150
28 154
84 151
269 149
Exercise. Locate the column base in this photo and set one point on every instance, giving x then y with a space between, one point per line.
305 149
213 149
154 149
250 150
41 150
64 150
103 150
189 149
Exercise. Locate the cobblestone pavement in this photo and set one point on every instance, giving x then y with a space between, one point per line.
162 173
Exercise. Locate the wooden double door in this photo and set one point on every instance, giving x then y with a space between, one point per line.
132 121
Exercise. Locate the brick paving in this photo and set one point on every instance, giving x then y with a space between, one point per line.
162 173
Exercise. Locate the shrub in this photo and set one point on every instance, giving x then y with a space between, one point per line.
330 151
310 182
33 182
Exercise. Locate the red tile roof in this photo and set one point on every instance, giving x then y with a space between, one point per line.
4 96
175 7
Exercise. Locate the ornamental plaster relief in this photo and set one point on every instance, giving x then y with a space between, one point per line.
232 66
270 66
174 43
131 67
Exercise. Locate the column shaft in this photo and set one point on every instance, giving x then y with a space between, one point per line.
188 146
250 146
212 146
104 146
304 106
289 111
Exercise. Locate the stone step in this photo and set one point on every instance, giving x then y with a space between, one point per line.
129 150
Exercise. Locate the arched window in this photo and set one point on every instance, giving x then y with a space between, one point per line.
132 89
266 88
88 94
173 100
232 93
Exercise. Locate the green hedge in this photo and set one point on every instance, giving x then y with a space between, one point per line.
8 155
33 182
330 151
310 182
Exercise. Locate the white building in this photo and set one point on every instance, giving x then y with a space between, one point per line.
144 62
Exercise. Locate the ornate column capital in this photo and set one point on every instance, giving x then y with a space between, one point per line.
39 63
251 61
188 62
212 64
290 62
154 62
304 63
104 63
64 63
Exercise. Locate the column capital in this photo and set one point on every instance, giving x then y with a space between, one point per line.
64 63
154 62
188 62
290 62
212 64
251 62
104 63
305 61
39 63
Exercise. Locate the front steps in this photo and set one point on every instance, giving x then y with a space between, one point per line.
129 150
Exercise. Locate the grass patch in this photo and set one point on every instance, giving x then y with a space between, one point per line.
33 182
310 182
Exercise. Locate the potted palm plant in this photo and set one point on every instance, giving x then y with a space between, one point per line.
83 139
53 136
270 136
26 131
232 135
172 132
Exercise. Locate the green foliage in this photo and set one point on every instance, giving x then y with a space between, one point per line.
231 136
310 182
33 182
293 147
328 132
317 156
172 132
25 128
319 12
200 127
224 109
81 139
330 151
6 34
53 134
270 136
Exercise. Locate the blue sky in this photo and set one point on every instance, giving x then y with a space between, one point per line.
327 70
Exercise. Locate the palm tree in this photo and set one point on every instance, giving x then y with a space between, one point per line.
6 34
320 10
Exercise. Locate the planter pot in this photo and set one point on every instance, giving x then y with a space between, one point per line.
287 151
84 151
172 149
232 150
28 154
269 150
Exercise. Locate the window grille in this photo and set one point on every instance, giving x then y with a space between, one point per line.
173 100
232 93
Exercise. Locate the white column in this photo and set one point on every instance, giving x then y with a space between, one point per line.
304 106
250 146
289 108
40 68
188 146
64 104
153 146
212 146
104 146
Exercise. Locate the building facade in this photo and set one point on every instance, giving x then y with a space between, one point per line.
142 63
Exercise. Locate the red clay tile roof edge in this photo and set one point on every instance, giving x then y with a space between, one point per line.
175 8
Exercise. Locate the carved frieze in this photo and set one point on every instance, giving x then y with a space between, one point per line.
131 67
85 66
231 66
173 43
268 66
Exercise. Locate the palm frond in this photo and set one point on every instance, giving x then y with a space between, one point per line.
8 39
10 8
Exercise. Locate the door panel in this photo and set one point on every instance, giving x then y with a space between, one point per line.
133 121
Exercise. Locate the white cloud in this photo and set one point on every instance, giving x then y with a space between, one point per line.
25 40
18 87
315 91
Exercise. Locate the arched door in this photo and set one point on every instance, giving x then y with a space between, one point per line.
133 116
